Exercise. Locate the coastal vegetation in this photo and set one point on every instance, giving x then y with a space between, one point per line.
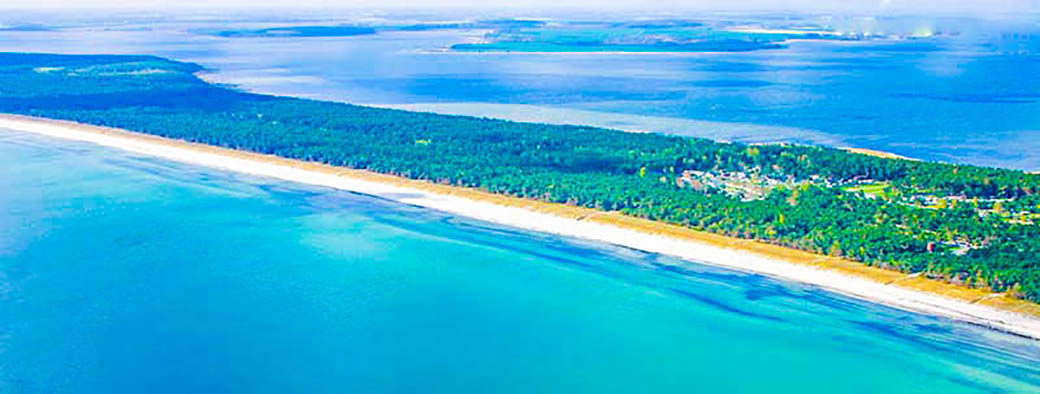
965 224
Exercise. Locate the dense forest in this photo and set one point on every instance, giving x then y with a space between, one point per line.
965 224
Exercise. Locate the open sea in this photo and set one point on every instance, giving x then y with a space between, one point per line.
127 274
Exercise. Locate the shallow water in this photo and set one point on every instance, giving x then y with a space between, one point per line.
121 273
970 96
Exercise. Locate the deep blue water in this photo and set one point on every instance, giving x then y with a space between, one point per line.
969 95
121 273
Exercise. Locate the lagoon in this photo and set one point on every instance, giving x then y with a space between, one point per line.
968 95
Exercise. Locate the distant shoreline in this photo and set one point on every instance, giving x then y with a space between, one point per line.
877 153
910 292
447 51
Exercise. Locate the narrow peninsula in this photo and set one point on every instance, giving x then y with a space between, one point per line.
955 240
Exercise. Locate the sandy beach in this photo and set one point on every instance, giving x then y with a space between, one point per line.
887 287
877 153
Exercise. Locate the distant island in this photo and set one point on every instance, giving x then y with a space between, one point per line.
730 45
640 37
342 30
972 226
542 36
298 31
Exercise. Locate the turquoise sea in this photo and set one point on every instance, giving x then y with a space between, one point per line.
128 274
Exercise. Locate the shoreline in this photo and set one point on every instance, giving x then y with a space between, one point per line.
876 153
892 288
726 132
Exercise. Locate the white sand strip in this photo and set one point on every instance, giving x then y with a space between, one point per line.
1020 324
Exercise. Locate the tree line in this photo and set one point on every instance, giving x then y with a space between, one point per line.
633 173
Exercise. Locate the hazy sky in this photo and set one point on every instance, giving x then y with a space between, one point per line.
938 6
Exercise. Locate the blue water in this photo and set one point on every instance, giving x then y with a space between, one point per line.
970 95
121 273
